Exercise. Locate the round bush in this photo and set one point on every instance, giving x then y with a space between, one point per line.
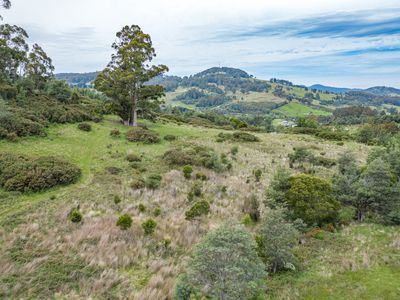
84 127
75 215
31 174
187 171
124 222
149 226
198 209
153 181
138 134
137 183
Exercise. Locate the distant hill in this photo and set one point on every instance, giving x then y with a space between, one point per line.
330 89
78 79
383 91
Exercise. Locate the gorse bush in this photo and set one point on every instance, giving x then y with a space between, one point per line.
137 183
31 174
124 222
149 226
198 209
84 127
138 134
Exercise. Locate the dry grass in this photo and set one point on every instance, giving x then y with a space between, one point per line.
129 263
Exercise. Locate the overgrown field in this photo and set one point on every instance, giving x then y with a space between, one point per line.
45 255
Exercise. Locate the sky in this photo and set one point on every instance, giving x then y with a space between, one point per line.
345 43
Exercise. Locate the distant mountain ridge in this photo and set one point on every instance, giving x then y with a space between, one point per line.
86 79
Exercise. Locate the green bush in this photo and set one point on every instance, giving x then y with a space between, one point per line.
131 157
137 183
153 181
141 207
149 226
84 126
201 176
251 207
197 189
117 199
31 174
198 209
124 222
170 137
311 199
346 215
187 171
138 134
115 133
234 150
75 215
157 212
245 137
257 174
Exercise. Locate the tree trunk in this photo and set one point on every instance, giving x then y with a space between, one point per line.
133 118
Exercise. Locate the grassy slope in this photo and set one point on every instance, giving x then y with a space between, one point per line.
43 254
295 109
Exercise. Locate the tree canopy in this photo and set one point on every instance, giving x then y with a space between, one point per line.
124 79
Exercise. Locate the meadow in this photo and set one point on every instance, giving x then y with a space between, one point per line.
44 255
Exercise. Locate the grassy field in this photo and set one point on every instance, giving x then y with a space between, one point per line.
45 256
294 109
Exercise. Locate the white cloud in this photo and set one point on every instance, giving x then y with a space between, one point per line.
78 33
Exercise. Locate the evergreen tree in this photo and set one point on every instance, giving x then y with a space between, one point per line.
125 76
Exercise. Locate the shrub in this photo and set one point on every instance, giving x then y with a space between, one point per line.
346 215
138 134
230 252
153 181
246 220
245 137
117 199
187 171
324 161
31 174
196 156
198 209
157 212
149 226
257 174
252 208
234 150
311 199
141 207
75 215
137 183
170 137
115 132
276 240
197 189
201 176
131 157
124 222
316 233
84 126
113 170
